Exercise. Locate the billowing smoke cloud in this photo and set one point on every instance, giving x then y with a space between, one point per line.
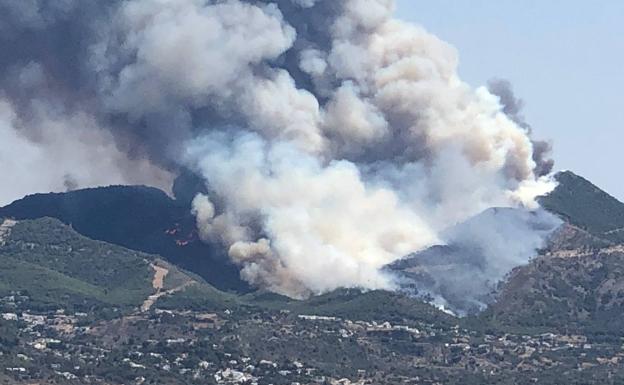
332 138
296 223
512 107
54 134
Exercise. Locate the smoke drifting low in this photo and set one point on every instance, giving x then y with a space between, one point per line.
462 274
333 139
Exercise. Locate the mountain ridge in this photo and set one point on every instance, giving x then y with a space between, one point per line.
557 315
584 205
136 217
169 222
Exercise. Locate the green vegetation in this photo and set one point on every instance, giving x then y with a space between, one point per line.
195 330
175 277
140 218
372 305
344 303
584 205
8 336
56 267
200 297
568 295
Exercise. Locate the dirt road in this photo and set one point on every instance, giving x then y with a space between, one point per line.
158 284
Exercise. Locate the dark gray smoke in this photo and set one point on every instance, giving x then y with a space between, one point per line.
330 138
56 134
70 56
76 57
512 107
70 183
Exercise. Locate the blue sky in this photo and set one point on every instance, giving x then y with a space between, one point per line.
565 58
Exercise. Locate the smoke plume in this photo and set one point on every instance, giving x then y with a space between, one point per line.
512 107
332 138
462 274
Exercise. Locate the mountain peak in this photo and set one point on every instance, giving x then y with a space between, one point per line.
584 205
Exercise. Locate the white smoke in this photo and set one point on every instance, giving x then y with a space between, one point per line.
185 52
295 224
462 274
333 138
310 195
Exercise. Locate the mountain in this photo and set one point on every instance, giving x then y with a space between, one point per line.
139 218
577 283
57 268
513 260
582 204
148 220
77 310
462 273
49 266
572 293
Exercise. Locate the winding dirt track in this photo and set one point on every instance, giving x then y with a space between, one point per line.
158 284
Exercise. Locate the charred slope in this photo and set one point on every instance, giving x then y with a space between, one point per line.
136 217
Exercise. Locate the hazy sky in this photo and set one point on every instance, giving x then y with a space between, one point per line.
565 59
